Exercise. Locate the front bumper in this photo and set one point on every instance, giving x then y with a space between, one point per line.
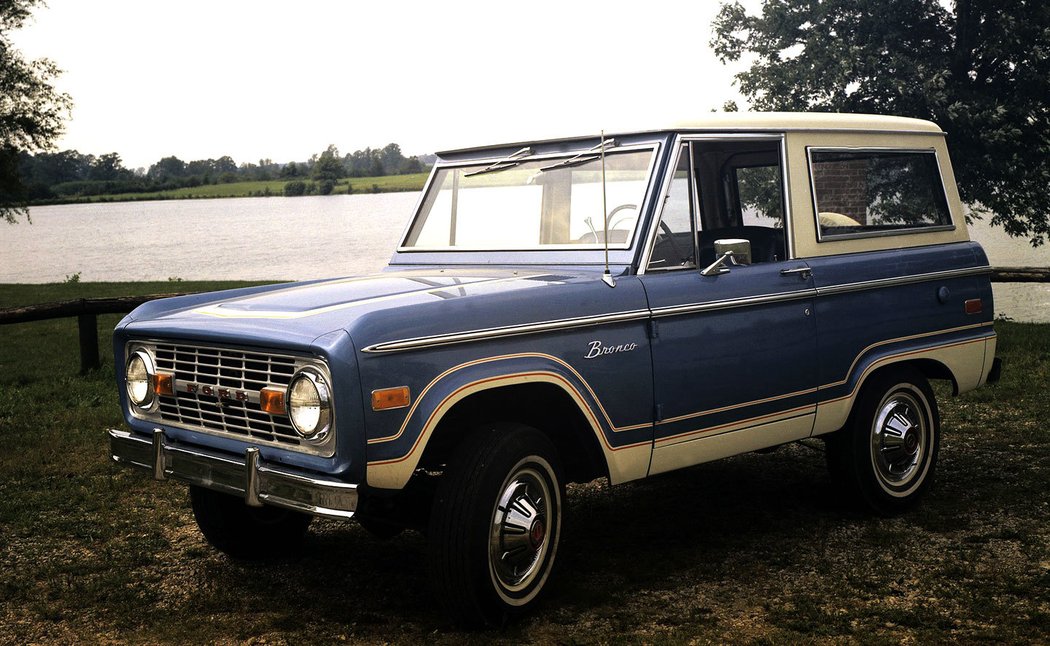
257 483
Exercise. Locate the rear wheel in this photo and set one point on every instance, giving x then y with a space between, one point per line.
495 525
886 455
244 532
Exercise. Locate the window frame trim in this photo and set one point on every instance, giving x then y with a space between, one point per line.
654 154
779 137
693 200
821 237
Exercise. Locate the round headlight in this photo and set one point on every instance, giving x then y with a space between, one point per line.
309 404
140 378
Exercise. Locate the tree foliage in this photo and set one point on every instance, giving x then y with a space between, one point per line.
980 69
61 175
328 166
32 112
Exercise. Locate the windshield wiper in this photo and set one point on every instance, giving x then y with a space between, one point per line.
583 157
510 161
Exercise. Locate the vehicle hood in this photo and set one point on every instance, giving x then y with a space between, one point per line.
381 307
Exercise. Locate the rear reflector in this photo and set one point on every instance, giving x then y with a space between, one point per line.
974 306
388 398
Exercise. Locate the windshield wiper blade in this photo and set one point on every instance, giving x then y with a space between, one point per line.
510 161
583 157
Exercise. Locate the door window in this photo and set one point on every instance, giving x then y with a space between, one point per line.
723 190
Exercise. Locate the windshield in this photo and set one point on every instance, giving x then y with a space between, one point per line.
533 203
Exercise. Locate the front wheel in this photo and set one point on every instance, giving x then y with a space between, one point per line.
887 453
495 524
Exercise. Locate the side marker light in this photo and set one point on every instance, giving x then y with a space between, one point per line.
974 306
390 398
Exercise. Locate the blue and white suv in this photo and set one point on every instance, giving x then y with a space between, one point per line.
563 310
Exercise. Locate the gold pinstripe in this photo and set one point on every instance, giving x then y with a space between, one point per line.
898 340
620 429
520 355
679 418
625 470
728 426
786 414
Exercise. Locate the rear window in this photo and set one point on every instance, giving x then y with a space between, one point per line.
861 193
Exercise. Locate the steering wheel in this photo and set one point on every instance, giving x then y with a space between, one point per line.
674 245
631 219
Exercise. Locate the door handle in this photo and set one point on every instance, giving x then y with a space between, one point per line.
801 272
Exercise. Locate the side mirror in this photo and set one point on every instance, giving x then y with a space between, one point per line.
733 251
740 249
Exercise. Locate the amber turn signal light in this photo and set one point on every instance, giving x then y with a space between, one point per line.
271 401
387 398
164 384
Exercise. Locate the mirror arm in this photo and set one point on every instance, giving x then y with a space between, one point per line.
717 267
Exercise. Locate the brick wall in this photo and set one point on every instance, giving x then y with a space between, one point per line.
842 187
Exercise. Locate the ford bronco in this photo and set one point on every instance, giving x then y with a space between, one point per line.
563 310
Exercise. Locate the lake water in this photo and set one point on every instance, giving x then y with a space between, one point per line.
299 238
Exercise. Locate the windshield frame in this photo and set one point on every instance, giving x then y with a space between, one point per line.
540 253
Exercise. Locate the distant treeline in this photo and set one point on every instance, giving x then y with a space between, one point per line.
69 174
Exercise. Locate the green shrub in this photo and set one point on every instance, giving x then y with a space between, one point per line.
295 188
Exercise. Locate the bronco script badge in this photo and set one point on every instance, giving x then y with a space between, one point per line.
596 349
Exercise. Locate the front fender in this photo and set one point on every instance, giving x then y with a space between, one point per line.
393 458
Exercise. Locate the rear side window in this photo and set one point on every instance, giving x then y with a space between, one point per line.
861 193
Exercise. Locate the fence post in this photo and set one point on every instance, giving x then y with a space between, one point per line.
87 327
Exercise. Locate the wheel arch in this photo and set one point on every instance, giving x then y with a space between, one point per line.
931 369
548 407
953 363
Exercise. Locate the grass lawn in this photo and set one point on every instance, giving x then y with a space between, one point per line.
384 184
754 549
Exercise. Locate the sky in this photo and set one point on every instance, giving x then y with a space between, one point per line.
281 80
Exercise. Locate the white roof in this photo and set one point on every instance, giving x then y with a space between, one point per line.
743 122
805 121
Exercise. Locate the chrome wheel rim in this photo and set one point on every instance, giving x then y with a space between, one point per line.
520 534
900 440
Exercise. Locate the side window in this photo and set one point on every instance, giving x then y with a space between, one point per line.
675 245
869 192
741 187
759 195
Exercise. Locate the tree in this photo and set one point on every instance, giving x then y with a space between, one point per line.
411 165
391 159
981 70
108 167
328 165
364 163
290 170
31 111
168 168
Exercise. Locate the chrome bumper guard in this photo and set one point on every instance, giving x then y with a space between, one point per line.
256 482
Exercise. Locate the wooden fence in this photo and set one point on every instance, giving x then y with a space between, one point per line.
87 309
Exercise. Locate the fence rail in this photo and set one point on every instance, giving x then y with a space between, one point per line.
1021 274
87 309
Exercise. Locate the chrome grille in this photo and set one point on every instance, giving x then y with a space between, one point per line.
233 369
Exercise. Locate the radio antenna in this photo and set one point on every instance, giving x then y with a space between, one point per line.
606 275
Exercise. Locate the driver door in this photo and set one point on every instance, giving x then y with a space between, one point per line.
734 351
